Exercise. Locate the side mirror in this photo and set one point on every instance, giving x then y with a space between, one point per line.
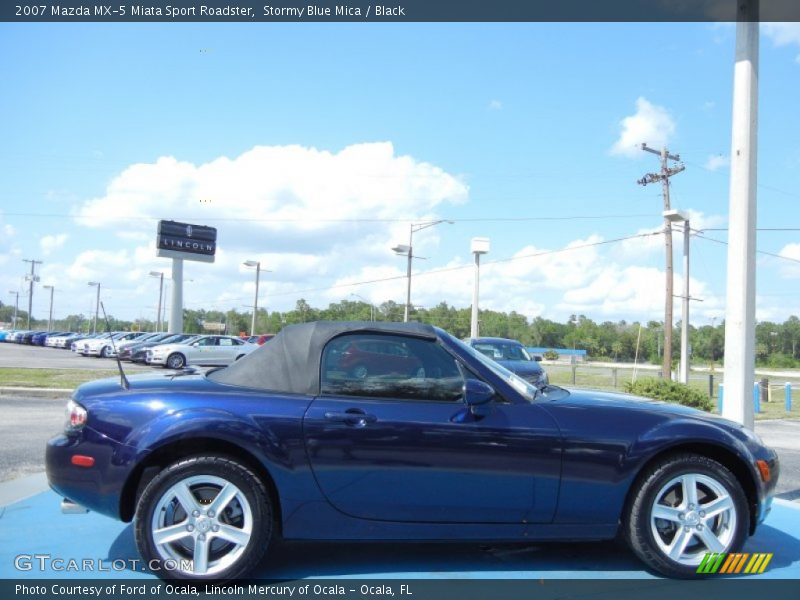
196 344
477 393
537 358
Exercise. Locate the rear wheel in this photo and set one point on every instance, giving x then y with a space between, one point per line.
204 517
176 361
682 508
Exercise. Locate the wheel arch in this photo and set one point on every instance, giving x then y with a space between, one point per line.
726 457
195 446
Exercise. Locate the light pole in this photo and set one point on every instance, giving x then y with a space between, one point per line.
371 306
97 304
408 251
675 216
160 275
478 246
50 320
257 265
16 307
32 278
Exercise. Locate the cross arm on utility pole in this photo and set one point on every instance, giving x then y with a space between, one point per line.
647 148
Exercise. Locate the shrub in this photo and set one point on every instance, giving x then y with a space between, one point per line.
550 355
669 391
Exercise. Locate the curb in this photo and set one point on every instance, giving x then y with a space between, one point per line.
15 490
33 390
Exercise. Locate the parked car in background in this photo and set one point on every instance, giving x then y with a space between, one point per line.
106 347
513 356
12 337
78 346
27 337
283 444
365 357
4 334
127 351
61 341
260 338
40 338
204 350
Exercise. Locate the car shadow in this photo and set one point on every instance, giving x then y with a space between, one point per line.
300 560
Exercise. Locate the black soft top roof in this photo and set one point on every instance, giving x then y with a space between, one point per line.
290 362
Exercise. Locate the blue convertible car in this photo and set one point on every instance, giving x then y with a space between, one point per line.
287 442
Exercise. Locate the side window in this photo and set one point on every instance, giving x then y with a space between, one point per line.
404 368
225 342
209 341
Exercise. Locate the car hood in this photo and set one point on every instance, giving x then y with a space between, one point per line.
522 367
631 402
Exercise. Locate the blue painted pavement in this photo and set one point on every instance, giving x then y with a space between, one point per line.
36 526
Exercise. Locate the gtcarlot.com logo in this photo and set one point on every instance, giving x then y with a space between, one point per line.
734 563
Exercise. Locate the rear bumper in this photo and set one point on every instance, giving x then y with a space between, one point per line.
99 487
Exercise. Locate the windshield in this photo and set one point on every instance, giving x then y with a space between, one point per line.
503 351
529 391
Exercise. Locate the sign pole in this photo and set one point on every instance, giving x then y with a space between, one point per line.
176 308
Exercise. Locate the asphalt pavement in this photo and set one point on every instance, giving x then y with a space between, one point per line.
22 356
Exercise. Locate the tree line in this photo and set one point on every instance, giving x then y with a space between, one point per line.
777 344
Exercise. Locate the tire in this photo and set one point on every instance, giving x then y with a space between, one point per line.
175 361
220 545
684 489
105 352
359 372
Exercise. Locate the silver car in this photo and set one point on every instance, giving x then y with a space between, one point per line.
203 350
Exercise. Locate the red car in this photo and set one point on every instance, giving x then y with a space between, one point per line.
260 339
378 357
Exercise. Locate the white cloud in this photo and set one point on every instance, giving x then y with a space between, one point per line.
790 269
495 105
51 243
717 161
650 124
783 34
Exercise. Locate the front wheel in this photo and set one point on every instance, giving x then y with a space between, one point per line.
683 508
204 517
175 361
105 352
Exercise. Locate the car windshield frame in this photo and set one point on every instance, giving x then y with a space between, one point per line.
525 389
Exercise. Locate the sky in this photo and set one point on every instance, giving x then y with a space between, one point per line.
313 148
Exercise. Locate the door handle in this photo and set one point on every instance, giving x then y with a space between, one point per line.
352 417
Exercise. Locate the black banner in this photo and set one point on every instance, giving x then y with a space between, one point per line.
403 11
401 589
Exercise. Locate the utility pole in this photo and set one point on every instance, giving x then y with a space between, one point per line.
663 176
31 279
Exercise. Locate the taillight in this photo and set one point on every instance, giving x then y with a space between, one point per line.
75 417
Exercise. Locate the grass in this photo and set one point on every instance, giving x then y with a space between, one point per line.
51 378
601 378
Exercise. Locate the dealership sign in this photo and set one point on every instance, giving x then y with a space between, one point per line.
186 241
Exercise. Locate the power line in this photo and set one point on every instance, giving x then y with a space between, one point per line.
456 268
351 220
699 234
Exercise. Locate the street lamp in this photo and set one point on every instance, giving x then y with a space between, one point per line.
160 275
675 216
408 251
478 246
16 307
371 306
257 265
50 320
97 305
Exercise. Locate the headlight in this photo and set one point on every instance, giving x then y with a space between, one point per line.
75 417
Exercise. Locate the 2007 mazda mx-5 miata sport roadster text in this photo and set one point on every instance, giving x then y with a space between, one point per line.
297 440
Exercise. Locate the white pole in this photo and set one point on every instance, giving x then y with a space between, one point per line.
255 300
685 307
740 314
473 330
176 308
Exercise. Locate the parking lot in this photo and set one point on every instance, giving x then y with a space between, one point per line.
22 356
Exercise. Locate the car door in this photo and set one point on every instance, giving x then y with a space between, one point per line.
203 351
227 349
407 448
